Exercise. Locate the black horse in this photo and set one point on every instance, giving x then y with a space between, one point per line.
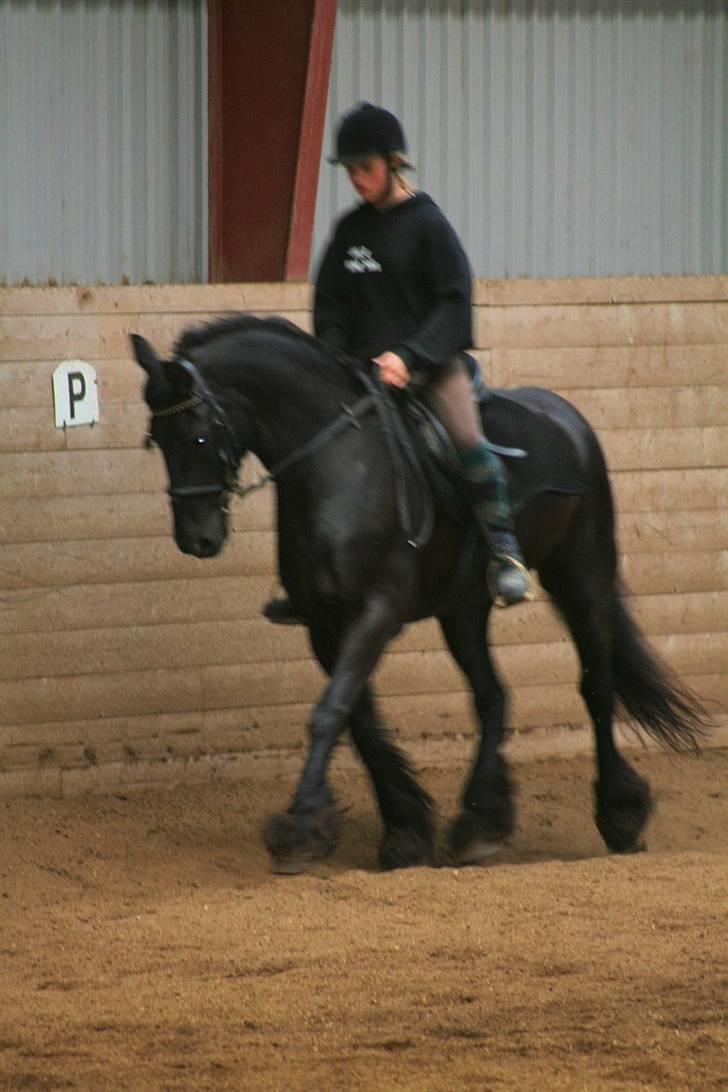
348 564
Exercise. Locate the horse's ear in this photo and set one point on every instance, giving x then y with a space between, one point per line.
156 391
181 375
145 354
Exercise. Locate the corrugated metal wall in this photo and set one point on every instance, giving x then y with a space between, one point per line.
563 137
103 141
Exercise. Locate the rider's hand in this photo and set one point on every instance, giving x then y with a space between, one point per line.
392 370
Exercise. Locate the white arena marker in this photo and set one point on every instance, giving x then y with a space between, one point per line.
75 394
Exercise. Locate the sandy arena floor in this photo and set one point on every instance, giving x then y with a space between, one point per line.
144 945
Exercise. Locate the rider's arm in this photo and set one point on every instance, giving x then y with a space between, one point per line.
447 329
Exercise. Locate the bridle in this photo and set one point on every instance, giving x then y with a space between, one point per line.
226 447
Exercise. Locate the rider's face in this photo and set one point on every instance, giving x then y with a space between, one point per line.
370 177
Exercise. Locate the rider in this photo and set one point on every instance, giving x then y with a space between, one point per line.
394 287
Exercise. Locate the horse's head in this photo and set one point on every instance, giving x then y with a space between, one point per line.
194 434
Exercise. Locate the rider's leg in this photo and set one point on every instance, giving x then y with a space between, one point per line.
451 397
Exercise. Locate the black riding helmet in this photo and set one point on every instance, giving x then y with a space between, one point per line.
369 130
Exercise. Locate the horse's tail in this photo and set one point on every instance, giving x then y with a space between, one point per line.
667 710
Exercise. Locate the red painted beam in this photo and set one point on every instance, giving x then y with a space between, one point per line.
311 139
269 67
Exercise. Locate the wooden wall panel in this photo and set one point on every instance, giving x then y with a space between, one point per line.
597 290
251 731
695 529
653 448
236 598
575 326
63 518
612 366
671 490
118 653
652 407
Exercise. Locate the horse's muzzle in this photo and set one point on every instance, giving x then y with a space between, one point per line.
200 534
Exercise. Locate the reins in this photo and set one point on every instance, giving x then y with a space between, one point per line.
402 453
398 444
349 417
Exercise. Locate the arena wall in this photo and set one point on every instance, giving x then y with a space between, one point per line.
122 662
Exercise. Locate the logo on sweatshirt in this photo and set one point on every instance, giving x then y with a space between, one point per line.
360 260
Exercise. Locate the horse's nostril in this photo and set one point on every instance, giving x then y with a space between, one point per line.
199 545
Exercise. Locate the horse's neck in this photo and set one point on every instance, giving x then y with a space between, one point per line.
292 393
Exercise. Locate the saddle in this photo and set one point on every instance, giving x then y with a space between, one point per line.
538 453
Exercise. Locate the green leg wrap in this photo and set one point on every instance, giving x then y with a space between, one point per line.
484 471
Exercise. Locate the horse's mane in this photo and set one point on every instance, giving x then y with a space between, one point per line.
196 337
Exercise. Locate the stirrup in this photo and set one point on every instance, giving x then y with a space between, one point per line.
495 568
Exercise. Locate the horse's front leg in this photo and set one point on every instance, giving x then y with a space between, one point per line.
308 831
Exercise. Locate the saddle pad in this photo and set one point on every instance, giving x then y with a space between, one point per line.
551 463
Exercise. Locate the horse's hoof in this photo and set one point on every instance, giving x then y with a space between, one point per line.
405 849
292 866
475 836
477 852
639 847
623 809
297 840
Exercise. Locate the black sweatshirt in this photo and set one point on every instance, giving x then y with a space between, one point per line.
395 280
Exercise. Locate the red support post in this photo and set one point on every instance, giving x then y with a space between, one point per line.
269 68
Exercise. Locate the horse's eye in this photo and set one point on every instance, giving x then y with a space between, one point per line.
202 439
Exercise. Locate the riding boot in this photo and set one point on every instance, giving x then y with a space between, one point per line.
508 579
487 488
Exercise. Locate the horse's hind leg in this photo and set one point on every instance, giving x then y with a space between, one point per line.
585 598
405 807
487 817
